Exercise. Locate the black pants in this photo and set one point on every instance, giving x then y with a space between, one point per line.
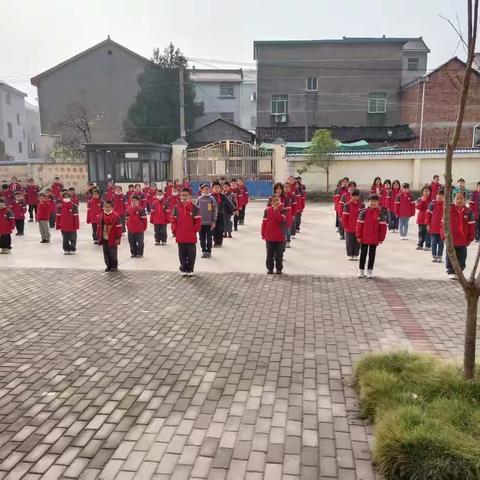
31 210
218 230
206 238
122 220
69 241
423 236
136 241
341 230
53 216
235 222
353 247
94 232
160 233
298 220
20 226
275 255
228 225
187 253
110 255
462 259
241 216
6 241
392 221
371 250
477 228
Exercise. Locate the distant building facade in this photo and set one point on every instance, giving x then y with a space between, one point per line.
102 78
226 93
13 133
32 122
345 82
437 94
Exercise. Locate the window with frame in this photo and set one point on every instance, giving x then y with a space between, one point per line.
226 90
279 104
413 63
9 130
377 102
312 84
20 147
8 99
18 119
253 121
228 116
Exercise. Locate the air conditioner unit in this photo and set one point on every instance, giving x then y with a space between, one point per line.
280 119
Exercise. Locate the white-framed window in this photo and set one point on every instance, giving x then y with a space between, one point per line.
279 104
377 102
20 148
228 116
10 129
413 63
24 135
18 119
253 121
227 90
8 99
312 84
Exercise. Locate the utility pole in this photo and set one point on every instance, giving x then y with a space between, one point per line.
421 115
182 106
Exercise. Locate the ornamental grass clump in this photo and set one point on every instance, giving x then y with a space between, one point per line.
426 415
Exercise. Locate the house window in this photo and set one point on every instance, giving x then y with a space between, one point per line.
8 99
19 147
253 122
312 84
226 90
279 104
10 130
18 119
413 63
24 135
377 102
228 116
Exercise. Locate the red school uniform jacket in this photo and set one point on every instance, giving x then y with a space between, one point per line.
16 187
31 194
246 196
462 223
120 203
346 197
393 197
404 205
422 207
111 226
240 197
371 226
94 209
56 189
338 195
159 214
350 213
67 217
136 219
474 202
273 225
434 216
376 190
7 221
434 188
53 204
19 209
186 222
386 198
75 200
44 208
109 193
173 201
287 208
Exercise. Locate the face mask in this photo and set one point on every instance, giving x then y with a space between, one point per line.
67 200
174 193
159 197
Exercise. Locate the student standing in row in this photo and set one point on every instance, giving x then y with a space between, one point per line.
186 222
393 218
120 205
136 226
44 209
422 206
404 209
19 209
7 224
224 208
229 210
159 217
273 228
351 211
94 209
341 189
68 223
434 218
31 197
474 204
109 234
208 211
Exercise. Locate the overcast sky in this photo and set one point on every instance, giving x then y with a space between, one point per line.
36 35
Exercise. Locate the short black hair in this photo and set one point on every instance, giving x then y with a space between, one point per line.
71 188
356 193
441 192
188 191
65 194
109 202
214 184
159 190
352 184
135 197
461 180
405 185
436 176
374 197
226 183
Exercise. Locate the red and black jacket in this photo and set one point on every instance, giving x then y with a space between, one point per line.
112 226
371 226
474 202
160 212
120 203
351 211
337 196
136 219
434 217
462 224
31 194
94 209
19 209
386 198
56 189
422 207
7 221
186 222
67 217
393 197
404 205
273 224
44 209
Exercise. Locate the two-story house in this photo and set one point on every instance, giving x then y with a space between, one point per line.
13 135
350 82
226 93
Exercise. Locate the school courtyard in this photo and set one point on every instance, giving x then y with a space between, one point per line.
230 374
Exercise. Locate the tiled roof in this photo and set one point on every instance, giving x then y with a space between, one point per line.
396 133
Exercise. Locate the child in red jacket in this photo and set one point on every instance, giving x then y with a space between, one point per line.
462 224
120 204
434 225
136 226
109 234
68 223
474 204
19 209
392 218
371 231
31 197
422 206
404 209
7 224
185 223
43 211
159 217
273 232
350 213
341 189
94 209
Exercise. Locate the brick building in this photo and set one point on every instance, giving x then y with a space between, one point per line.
442 89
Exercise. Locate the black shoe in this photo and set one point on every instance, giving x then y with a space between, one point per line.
278 272
95 242
157 243
132 256
30 220
114 269
229 235
235 229
140 256
269 272
107 269
43 241
204 255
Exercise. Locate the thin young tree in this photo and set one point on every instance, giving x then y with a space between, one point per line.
470 284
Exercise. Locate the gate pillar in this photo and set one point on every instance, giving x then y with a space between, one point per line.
279 161
177 162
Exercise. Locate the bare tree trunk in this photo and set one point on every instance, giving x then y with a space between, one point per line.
471 295
327 171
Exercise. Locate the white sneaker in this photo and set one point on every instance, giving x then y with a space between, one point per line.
452 276
369 274
361 273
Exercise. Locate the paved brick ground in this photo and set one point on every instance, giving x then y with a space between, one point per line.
147 375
